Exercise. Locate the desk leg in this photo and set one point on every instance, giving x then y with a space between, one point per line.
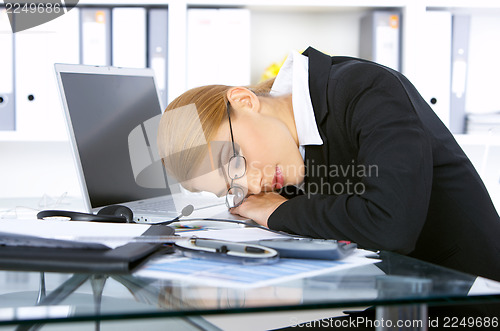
41 289
402 317
97 282
55 297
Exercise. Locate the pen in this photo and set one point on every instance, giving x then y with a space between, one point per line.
225 246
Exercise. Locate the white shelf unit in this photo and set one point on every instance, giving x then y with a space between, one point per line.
329 25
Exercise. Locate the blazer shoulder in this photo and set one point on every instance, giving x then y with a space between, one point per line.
348 80
357 70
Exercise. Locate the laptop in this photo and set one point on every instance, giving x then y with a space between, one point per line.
111 114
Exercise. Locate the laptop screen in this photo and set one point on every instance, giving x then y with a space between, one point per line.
104 109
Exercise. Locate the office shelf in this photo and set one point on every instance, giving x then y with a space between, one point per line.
330 14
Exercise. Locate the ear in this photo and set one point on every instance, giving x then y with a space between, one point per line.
242 98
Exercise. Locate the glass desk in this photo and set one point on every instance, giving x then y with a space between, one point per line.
397 285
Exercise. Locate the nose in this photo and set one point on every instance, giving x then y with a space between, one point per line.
251 182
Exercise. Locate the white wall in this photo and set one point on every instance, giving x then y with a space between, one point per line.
484 153
35 169
274 34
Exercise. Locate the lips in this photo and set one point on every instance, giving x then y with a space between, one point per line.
278 181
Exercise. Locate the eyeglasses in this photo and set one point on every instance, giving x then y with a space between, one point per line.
236 168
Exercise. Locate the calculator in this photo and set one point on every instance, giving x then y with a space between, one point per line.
308 248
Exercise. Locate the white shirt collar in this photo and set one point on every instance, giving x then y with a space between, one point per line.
293 77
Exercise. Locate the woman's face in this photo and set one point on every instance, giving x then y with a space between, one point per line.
272 157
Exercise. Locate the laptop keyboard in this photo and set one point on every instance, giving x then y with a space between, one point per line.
157 206
168 205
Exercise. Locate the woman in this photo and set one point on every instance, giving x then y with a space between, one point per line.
374 163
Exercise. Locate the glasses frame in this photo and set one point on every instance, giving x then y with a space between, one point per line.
235 155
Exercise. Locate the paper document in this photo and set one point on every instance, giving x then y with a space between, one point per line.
232 275
70 229
234 234
484 286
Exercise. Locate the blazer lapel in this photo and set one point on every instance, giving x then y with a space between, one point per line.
319 71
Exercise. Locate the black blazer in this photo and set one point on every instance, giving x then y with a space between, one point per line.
389 175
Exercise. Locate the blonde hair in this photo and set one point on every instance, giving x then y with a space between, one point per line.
189 122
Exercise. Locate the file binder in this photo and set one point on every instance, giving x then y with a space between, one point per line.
7 105
459 60
95 36
234 58
39 112
380 38
212 59
63 257
434 84
157 50
202 48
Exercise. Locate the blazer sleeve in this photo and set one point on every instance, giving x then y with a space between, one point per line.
378 120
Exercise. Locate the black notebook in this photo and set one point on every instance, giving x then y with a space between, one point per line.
30 253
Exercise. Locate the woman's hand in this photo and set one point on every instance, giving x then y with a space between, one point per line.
259 207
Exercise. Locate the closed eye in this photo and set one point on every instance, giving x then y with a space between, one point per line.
223 157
